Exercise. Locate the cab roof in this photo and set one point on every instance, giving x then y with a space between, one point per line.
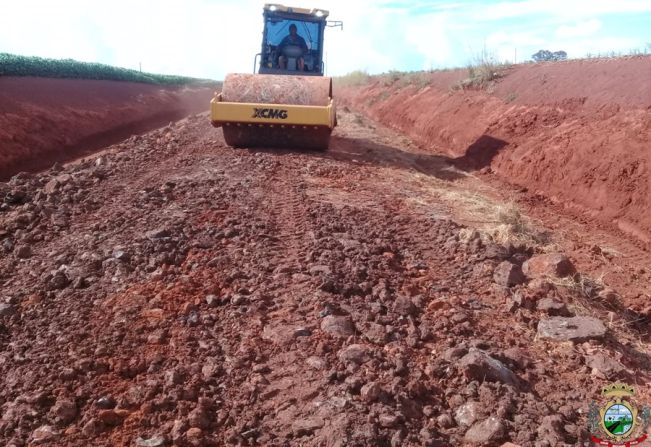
314 12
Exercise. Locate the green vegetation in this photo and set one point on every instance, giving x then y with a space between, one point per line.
13 65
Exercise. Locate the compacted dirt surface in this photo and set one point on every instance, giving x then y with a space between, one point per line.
175 291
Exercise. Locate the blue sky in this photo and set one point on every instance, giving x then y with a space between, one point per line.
208 38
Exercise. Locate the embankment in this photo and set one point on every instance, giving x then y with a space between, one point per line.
576 132
46 120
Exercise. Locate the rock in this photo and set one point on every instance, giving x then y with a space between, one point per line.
45 434
320 269
551 430
16 196
409 408
576 329
57 281
540 286
376 334
495 251
51 186
454 353
210 369
388 420
23 251
105 403
92 428
603 366
112 417
121 255
7 310
154 441
553 308
548 265
339 326
158 233
194 436
371 392
403 305
445 420
524 300
315 362
398 438
468 413
65 411
478 365
179 428
239 300
212 300
517 356
507 274
307 426
487 431
283 335
355 354
199 418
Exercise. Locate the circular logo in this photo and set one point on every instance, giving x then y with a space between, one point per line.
618 419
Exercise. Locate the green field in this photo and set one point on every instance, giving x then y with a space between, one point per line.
14 65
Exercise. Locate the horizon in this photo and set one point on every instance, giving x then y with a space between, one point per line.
388 35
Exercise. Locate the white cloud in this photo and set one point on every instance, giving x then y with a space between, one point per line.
569 9
208 38
580 29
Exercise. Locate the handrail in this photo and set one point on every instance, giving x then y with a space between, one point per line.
255 61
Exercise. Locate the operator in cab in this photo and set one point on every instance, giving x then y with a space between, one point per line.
292 39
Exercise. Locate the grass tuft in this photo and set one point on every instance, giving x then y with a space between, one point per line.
483 70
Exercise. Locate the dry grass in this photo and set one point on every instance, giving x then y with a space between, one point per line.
497 222
504 223
353 79
418 79
400 79
483 70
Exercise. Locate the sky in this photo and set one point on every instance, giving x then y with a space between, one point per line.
209 38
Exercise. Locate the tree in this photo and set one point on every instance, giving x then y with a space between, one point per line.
546 55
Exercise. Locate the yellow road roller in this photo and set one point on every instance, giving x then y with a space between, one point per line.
288 102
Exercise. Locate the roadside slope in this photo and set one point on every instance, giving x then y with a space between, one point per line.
575 132
45 120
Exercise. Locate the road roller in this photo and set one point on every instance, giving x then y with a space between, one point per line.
287 101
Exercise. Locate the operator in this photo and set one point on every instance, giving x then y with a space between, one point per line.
292 39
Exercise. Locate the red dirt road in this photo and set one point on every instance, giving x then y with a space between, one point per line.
47 120
174 291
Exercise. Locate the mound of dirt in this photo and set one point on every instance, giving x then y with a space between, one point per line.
47 120
575 132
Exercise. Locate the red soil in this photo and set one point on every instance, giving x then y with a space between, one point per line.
575 132
48 120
